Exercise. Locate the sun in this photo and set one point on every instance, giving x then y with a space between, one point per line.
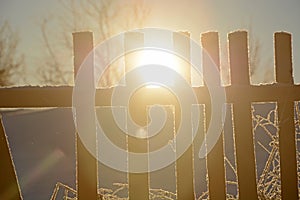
158 57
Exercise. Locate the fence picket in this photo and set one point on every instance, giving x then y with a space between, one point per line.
238 54
184 164
9 188
138 182
285 109
86 168
215 159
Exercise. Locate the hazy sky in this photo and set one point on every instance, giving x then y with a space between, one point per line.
264 18
197 16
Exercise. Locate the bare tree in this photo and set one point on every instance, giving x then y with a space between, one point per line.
105 18
258 61
11 64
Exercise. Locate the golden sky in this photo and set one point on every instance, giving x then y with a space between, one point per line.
196 16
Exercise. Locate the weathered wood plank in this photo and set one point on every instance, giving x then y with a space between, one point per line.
138 182
9 187
238 55
246 168
215 159
86 167
184 164
283 58
22 97
285 109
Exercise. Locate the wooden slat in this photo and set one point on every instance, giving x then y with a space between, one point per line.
86 163
21 97
287 150
238 55
238 50
266 93
9 187
200 165
181 41
184 164
138 182
283 58
35 96
215 159
285 109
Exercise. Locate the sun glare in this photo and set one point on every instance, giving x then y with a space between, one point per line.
158 57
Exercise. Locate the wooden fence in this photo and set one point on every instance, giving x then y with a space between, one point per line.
240 93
